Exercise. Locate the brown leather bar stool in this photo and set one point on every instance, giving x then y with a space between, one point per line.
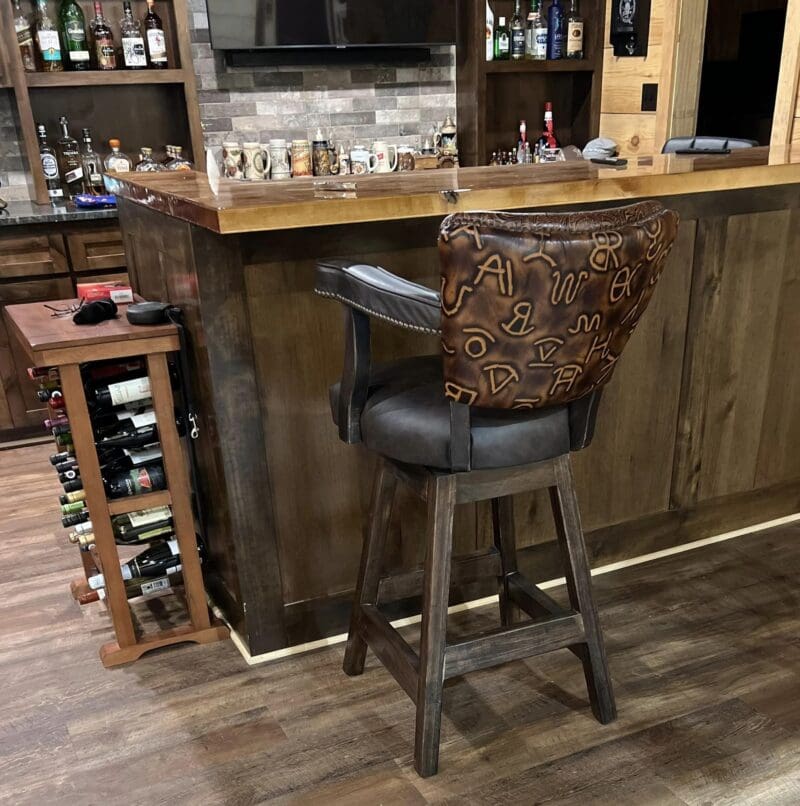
534 312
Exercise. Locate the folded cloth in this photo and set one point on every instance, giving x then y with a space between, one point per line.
600 148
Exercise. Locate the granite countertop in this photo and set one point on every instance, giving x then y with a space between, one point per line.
25 212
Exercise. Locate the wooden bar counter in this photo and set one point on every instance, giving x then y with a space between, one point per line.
700 430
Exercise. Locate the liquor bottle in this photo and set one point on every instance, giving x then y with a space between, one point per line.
502 44
117 162
178 161
146 162
548 138
49 165
48 40
556 31
159 560
489 32
73 31
134 56
135 588
523 141
22 28
156 41
494 160
517 33
135 482
117 394
105 53
92 165
536 43
69 160
574 32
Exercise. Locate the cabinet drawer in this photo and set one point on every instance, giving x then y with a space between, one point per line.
29 255
94 250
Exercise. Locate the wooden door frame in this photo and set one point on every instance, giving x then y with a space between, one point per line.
682 63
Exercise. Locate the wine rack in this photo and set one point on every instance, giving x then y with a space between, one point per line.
57 342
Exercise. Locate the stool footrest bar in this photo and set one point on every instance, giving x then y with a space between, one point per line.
391 648
532 599
512 643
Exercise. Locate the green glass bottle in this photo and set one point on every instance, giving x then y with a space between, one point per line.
73 30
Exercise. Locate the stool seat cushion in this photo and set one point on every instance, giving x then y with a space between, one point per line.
407 418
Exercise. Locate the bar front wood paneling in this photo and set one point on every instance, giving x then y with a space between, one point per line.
696 433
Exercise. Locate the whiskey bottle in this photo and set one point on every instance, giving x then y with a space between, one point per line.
556 31
156 41
117 162
574 32
104 51
48 40
502 45
134 56
92 165
22 28
536 44
73 31
69 160
49 166
517 33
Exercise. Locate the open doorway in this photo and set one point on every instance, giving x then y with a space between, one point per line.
741 62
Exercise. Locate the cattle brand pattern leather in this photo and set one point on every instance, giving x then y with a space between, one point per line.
536 308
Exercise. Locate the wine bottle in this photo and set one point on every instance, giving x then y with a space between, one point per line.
84 528
68 498
69 475
156 41
135 482
73 32
71 507
74 518
108 370
126 458
142 525
161 559
117 394
72 486
63 456
137 587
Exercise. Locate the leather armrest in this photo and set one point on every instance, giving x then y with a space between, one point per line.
380 293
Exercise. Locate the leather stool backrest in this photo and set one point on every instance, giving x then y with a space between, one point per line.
537 307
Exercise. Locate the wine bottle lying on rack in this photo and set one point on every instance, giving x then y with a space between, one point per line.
69 498
131 528
122 392
72 507
138 587
75 518
63 456
137 481
158 560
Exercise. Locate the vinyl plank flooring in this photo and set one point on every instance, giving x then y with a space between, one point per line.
704 650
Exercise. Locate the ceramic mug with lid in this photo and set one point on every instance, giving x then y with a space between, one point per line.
256 161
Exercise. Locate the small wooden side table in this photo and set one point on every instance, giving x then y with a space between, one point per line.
51 341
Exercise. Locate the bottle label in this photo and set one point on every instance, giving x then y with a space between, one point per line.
518 42
143 455
73 175
75 37
174 569
106 55
129 391
540 43
502 43
144 517
155 585
49 166
49 45
575 38
173 547
157 44
142 420
161 531
118 165
140 481
24 36
133 51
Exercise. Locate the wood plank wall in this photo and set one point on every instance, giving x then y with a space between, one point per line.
621 117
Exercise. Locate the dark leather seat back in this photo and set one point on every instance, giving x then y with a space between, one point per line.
537 308
705 143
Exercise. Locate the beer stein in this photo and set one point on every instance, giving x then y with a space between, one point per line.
405 158
256 161
279 159
383 162
301 158
232 160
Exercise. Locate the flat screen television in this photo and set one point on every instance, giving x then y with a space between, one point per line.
330 24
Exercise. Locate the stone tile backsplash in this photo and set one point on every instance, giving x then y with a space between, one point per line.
357 104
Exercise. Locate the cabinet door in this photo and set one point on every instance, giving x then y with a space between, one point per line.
19 407
32 254
96 249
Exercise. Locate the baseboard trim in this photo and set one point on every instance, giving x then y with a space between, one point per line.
322 643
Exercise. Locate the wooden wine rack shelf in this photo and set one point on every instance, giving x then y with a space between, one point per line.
44 338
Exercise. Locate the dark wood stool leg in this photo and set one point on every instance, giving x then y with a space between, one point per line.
506 543
371 555
441 505
579 584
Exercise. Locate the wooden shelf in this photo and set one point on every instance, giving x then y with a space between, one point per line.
133 503
554 66
104 78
